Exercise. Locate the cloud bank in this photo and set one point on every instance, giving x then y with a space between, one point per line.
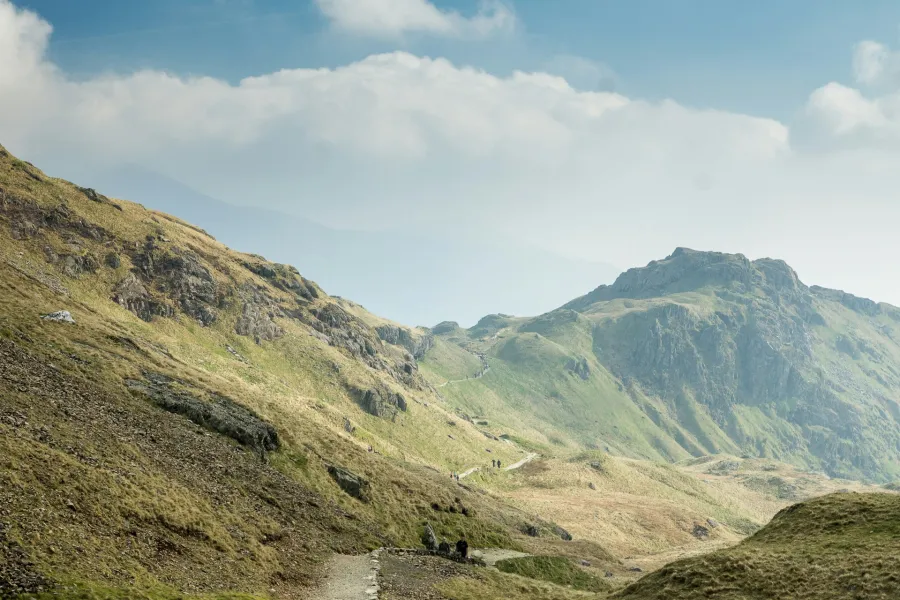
392 18
400 141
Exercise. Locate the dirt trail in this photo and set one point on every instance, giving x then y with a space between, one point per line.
351 578
531 456
491 556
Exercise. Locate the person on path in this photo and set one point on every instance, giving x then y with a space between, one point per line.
462 547
498 464
493 463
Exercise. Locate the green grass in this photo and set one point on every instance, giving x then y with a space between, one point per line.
553 569
834 547
78 591
492 585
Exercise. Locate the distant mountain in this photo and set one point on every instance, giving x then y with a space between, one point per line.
414 277
700 353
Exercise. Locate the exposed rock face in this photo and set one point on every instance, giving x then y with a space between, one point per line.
751 339
855 303
285 277
689 270
182 277
382 402
27 219
417 345
221 415
580 367
132 295
352 484
258 315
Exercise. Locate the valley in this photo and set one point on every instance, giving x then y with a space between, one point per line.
211 424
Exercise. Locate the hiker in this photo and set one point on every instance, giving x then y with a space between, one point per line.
462 547
498 464
457 476
493 464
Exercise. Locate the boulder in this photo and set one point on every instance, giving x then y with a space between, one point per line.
60 316
429 540
381 403
351 483
530 530
220 414
562 533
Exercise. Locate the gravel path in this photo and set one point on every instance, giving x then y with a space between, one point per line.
491 556
522 462
351 578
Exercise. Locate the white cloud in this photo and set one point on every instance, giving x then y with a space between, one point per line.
582 73
401 141
870 60
392 18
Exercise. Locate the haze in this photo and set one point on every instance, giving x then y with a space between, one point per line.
518 148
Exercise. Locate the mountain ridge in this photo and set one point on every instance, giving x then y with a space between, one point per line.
721 354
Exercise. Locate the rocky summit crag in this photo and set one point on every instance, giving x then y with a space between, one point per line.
717 353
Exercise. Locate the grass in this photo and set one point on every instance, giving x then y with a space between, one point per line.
554 569
78 591
694 389
492 585
835 547
166 504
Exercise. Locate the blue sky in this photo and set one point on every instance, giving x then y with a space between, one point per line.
599 131
759 57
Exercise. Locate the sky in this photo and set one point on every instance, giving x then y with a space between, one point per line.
596 130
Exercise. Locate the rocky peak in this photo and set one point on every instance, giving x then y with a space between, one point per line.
687 270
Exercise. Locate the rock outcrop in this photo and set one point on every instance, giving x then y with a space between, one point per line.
131 294
220 414
579 367
352 484
417 343
380 402
258 314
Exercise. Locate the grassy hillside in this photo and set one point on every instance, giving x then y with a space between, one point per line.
837 546
697 354
178 436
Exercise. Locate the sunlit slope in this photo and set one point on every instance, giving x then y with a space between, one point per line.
205 424
700 353
837 546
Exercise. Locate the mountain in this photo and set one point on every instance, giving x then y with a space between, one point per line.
415 277
180 419
699 353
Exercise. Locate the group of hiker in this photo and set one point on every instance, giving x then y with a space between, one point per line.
494 464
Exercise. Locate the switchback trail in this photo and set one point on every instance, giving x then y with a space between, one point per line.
485 367
531 456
